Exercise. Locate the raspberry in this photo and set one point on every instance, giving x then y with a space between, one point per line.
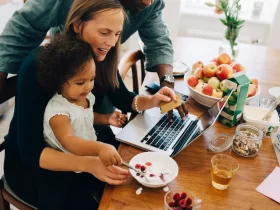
183 203
189 201
143 168
176 197
152 175
188 208
137 166
176 204
171 204
183 195
148 163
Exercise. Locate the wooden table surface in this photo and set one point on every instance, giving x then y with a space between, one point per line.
194 161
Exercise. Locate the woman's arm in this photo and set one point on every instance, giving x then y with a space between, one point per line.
101 119
53 160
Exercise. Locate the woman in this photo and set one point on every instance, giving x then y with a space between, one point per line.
46 176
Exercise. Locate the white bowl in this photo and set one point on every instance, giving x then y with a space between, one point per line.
160 163
274 92
209 100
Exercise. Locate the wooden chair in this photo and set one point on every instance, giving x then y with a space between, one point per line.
7 196
129 61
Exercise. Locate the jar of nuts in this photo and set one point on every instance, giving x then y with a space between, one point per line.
247 140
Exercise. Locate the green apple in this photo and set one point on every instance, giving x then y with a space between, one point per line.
214 82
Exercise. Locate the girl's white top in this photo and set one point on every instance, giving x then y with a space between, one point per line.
81 119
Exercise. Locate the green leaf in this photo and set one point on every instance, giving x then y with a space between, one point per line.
240 22
224 22
210 4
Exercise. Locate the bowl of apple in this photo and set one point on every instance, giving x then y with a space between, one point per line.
206 82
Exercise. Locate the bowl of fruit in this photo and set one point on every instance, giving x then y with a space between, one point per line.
153 169
206 82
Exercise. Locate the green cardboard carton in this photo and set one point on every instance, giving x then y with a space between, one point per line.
232 112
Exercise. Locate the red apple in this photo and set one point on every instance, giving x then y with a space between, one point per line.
210 70
196 65
192 81
199 72
237 67
252 90
254 81
224 58
224 71
215 60
207 89
214 82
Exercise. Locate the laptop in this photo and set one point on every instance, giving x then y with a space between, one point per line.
152 130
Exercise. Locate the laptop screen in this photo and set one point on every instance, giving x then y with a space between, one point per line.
209 117
203 122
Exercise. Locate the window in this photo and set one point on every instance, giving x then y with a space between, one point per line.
267 12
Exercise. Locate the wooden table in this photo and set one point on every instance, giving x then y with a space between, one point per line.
194 161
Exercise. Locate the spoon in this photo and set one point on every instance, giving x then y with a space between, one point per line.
134 169
131 167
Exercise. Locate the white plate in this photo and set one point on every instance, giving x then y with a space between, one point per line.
180 68
160 163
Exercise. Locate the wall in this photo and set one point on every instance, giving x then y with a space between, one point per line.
274 33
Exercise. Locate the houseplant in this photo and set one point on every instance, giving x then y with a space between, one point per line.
232 22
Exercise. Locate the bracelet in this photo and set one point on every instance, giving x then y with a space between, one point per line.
136 106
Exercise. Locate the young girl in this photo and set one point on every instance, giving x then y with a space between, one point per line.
67 71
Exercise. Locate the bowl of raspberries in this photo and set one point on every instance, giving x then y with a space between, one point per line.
153 169
181 199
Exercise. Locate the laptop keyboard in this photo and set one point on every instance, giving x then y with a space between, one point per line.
165 132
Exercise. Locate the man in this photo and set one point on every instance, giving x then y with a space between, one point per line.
29 26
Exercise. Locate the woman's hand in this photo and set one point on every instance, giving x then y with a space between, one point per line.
113 175
117 119
167 94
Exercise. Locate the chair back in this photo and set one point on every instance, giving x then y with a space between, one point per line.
129 61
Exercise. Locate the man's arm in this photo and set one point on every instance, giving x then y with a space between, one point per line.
157 44
25 31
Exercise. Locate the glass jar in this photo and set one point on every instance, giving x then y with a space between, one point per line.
220 142
247 140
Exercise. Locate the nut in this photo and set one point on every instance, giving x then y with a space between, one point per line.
243 145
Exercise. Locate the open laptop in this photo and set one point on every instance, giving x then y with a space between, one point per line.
152 131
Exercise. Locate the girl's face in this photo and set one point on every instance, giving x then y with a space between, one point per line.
103 32
80 85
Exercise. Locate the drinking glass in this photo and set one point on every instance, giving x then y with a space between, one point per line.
223 169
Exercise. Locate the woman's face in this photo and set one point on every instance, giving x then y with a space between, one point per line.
103 32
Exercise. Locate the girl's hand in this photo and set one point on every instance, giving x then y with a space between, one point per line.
113 175
109 155
117 119
165 94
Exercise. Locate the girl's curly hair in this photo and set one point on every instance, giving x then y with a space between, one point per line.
60 60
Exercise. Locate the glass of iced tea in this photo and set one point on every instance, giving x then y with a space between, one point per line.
223 169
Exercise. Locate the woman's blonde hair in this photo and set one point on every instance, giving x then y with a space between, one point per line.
82 11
